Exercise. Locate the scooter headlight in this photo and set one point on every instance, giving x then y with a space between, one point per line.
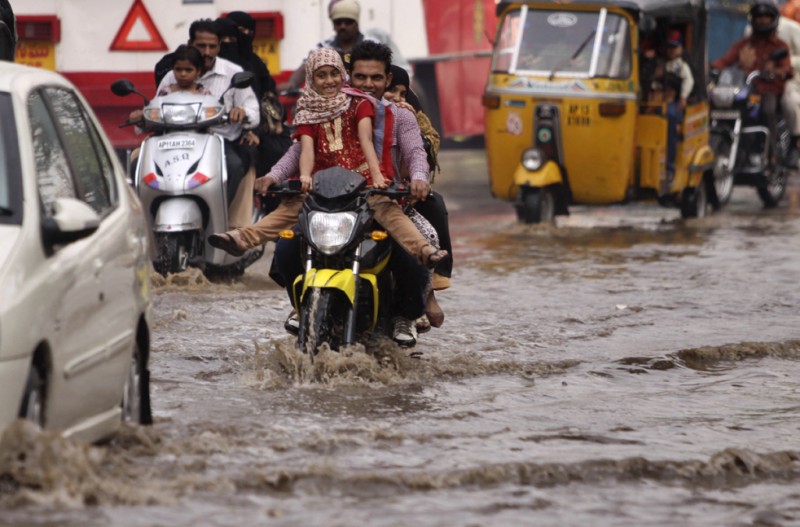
180 114
329 232
532 159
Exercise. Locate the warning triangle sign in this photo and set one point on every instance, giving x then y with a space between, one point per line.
138 32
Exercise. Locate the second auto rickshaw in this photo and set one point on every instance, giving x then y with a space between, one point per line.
568 120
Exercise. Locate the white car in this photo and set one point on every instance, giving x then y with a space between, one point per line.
74 266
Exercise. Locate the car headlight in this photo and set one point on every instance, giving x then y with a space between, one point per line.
329 232
179 114
532 159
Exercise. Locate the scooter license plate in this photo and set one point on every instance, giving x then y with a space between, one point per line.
174 143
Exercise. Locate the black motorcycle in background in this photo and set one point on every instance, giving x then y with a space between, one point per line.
740 138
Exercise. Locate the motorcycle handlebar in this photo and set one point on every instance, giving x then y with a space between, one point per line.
292 187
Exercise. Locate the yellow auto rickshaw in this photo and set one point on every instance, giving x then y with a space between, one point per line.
572 115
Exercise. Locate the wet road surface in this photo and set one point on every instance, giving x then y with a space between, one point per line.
622 368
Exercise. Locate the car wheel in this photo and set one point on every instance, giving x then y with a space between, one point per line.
32 407
136 394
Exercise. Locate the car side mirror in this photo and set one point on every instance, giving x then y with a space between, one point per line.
72 220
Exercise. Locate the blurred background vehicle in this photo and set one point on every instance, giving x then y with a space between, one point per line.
74 265
8 31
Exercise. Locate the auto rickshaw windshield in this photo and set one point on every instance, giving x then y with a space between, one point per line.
565 43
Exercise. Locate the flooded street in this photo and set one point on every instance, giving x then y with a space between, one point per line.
622 368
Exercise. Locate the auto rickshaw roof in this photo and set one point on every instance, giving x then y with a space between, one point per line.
656 8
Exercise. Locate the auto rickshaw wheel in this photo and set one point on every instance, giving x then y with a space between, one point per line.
722 174
694 201
537 205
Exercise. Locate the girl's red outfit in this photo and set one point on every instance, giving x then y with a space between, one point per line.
336 141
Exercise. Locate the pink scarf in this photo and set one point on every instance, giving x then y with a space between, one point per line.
313 108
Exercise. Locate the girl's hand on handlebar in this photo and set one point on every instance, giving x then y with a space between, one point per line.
305 183
136 116
379 181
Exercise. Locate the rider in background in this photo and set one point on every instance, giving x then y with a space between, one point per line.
345 15
789 31
754 53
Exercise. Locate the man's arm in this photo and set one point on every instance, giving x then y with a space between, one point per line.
688 80
730 57
287 166
246 100
409 142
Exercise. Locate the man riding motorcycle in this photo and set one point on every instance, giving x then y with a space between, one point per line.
755 53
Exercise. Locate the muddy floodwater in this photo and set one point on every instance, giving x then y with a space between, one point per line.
622 368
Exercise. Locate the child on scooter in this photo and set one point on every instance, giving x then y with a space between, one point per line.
334 126
187 62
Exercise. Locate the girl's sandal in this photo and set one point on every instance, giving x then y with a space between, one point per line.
227 242
434 257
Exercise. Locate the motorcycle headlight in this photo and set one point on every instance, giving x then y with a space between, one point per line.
178 114
532 159
330 232
723 96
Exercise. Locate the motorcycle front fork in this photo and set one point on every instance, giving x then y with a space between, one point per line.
349 336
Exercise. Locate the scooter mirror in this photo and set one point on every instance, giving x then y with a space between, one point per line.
647 24
779 54
122 87
243 79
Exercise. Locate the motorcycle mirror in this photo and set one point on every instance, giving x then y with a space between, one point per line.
243 79
779 54
124 87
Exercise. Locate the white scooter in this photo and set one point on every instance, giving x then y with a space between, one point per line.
181 179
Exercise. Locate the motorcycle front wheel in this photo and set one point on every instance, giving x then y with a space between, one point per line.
723 176
772 191
320 321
